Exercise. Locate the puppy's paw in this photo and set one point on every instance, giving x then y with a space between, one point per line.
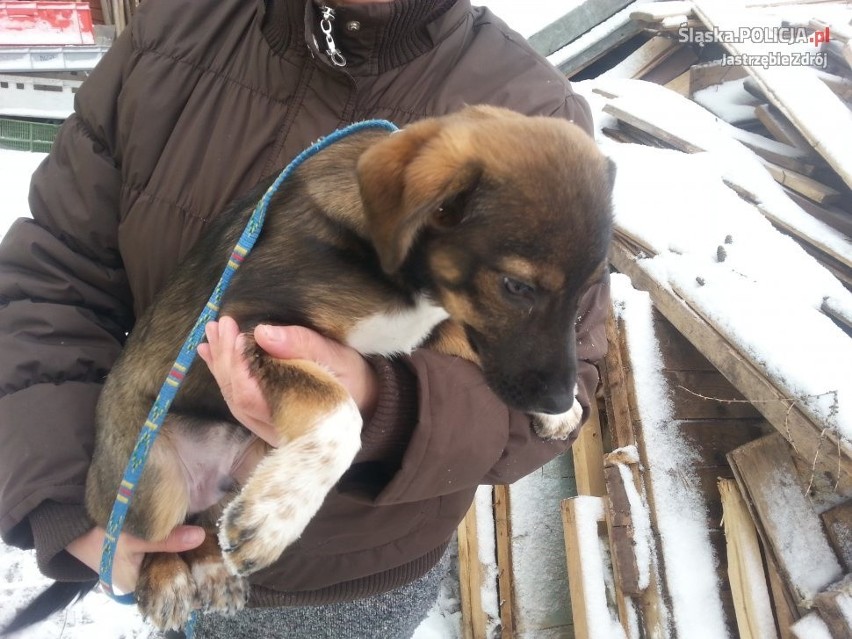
558 426
217 590
286 490
165 592
253 535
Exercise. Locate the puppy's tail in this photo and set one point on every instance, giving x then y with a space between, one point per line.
58 596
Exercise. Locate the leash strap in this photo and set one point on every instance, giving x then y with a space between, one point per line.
187 354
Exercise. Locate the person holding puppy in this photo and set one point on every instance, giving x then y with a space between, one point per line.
193 105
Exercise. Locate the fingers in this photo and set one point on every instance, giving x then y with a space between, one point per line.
345 363
294 342
181 539
224 354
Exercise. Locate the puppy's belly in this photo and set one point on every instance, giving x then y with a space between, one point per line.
212 460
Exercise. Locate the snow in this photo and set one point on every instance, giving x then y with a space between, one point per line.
688 557
810 627
486 537
729 100
687 120
531 16
588 512
15 171
718 252
641 520
95 615
811 567
539 565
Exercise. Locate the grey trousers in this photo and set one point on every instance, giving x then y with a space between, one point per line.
391 615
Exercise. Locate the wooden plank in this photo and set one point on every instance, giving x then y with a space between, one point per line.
503 528
585 569
840 86
831 605
816 112
711 441
660 10
779 127
619 542
707 395
802 184
594 44
621 533
470 579
675 66
579 20
621 111
588 457
616 389
680 84
790 528
702 76
838 525
834 217
789 157
842 259
621 406
749 589
106 10
747 376
645 58
786 613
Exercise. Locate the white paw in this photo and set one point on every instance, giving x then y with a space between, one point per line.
166 597
558 426
217 589
286 490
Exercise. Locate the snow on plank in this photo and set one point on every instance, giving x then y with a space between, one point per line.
792 531
817 113
689 127
747 296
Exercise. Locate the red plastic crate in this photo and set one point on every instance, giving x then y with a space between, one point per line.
44 22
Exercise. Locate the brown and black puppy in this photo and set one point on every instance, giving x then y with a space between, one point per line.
477 231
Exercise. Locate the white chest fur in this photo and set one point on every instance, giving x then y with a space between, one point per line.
397 331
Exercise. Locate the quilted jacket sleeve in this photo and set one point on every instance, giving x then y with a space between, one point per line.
64 312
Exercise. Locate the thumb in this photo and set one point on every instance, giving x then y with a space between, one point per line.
181 539
290 342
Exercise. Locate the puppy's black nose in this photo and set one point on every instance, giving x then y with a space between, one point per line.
555 404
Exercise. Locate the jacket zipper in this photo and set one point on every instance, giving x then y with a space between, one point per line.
334 54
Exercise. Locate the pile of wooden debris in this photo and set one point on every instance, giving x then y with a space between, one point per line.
714 484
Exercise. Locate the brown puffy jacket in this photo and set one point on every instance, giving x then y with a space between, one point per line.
195 103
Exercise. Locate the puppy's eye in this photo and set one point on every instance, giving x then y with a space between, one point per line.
516 287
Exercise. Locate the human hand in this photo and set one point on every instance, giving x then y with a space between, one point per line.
130 551
224 355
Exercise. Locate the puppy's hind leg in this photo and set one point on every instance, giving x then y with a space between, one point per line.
320 426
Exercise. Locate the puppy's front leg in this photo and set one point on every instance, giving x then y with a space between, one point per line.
320 429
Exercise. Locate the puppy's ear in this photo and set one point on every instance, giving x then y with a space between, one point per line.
413 178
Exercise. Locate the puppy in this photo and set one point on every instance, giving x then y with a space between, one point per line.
474 234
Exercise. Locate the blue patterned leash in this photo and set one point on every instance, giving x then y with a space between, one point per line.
187 354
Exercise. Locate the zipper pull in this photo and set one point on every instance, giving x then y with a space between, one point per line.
332 52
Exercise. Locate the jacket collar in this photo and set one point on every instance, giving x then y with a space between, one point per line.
372 37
